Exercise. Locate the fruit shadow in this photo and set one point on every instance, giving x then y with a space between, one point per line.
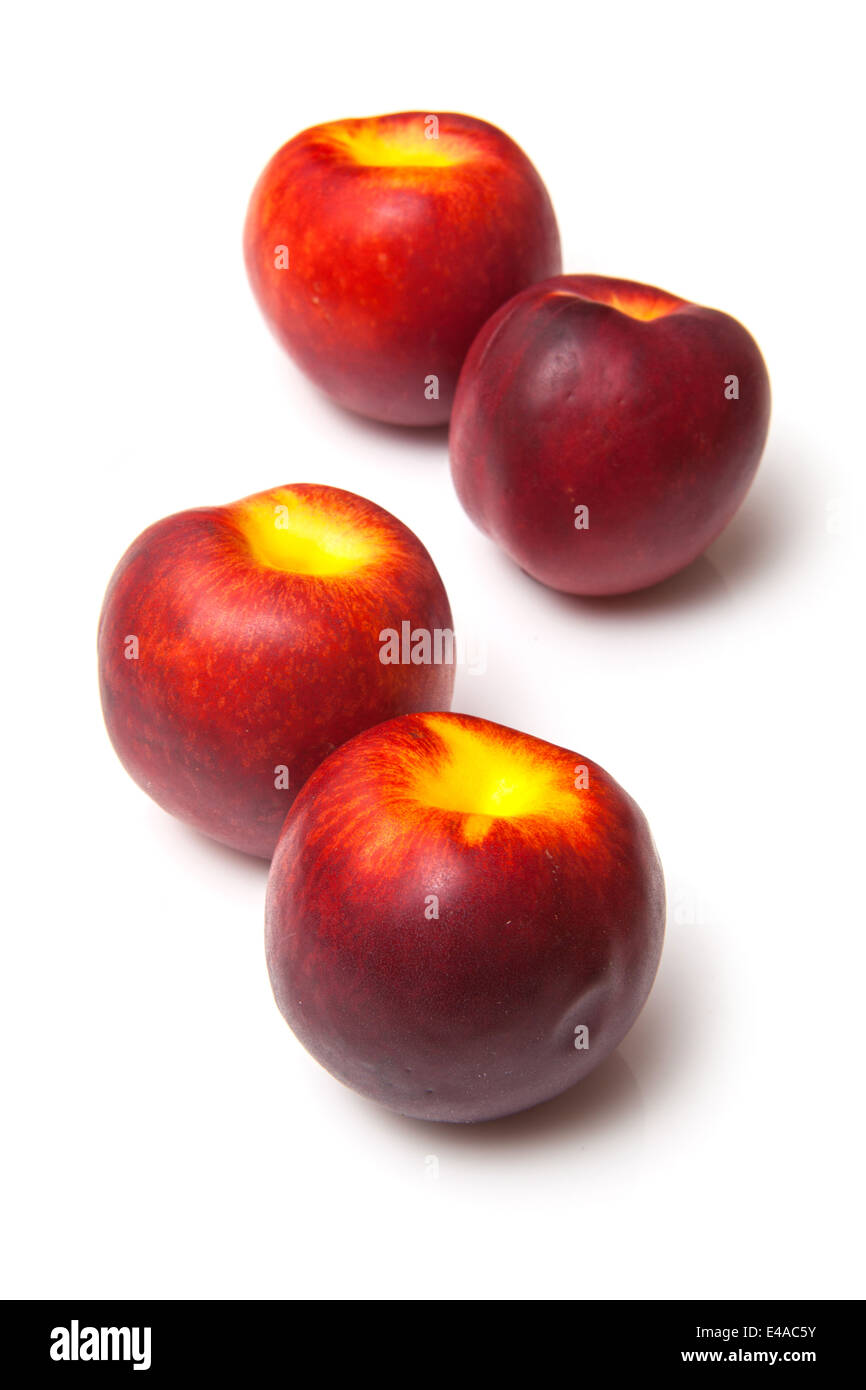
423 438
211 851
768 532
609 1098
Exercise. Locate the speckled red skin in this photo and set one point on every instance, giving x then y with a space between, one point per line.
564 401
471 1016
243 668
391 277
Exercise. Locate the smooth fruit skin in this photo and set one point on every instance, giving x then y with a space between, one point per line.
393 268
243 669
545 924
568 401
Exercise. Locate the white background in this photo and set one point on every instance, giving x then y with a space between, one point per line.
165 1135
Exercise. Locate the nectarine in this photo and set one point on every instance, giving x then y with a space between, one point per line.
605 432
462 920
239 645
377 248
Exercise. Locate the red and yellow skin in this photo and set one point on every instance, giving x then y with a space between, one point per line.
258 648
399 248
551 914
588 391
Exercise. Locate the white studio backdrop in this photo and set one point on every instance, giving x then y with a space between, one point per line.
166 1136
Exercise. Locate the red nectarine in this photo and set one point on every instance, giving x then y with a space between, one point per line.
239 645
377 248
462 920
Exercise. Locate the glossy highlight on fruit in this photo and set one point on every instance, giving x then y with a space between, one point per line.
377 247
240 645
462 920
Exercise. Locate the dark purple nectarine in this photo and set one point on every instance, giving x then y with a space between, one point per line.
605 432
